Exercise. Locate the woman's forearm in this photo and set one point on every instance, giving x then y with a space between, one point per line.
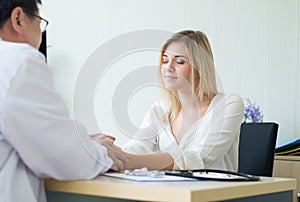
162 161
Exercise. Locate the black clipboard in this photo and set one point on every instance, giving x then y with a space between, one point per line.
213 174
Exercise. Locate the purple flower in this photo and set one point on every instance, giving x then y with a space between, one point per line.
252 114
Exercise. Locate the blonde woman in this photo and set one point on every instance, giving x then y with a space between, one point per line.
194 126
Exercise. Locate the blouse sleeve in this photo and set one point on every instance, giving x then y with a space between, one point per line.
144 140
221 135
36 123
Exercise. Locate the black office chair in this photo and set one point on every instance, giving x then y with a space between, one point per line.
256 148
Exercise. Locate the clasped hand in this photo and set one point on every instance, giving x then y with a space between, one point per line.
114 152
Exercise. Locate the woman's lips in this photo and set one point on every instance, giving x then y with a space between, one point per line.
169 77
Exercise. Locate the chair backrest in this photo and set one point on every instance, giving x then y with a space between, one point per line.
257 147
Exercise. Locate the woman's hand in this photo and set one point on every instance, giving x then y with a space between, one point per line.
115 153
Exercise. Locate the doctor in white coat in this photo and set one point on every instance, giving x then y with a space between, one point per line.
37 138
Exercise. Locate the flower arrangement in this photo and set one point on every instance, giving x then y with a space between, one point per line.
252 114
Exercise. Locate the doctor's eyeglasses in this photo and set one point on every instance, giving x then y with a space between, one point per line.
43 24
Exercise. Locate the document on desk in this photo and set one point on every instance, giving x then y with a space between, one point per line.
165 178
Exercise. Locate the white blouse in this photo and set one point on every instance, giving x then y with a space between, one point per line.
211 142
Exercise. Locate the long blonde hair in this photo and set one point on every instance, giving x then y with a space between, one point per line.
202 74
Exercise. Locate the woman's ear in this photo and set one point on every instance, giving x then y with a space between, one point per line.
17 20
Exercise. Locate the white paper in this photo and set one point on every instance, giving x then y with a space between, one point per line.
165 178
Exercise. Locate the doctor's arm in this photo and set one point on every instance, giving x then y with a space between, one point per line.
36 123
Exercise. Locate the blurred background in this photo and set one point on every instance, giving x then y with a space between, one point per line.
255 45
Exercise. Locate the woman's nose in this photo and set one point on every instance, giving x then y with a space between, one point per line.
170 66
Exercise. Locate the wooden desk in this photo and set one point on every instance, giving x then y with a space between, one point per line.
269 189
288 166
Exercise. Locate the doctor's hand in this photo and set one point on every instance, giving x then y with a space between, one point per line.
115 153
102 136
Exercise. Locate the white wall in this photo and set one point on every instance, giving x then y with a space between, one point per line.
255 44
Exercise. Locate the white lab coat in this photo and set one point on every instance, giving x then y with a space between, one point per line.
211 142
37 138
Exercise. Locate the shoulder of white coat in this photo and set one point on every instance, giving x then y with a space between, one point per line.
21 52
30 52
16 56
13 56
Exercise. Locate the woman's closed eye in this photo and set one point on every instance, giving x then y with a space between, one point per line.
180 62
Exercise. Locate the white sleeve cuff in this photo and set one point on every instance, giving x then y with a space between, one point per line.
193 160
104 162
178 158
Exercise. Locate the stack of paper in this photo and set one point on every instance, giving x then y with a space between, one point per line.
290 148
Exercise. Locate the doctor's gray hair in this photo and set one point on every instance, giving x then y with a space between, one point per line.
7 6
